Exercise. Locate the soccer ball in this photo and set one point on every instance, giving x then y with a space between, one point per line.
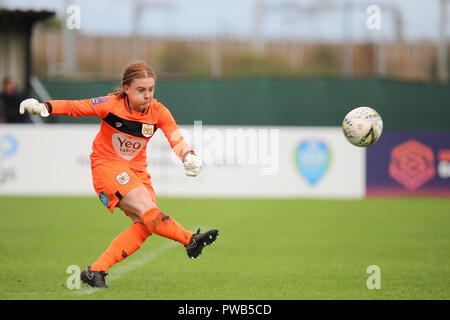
362 126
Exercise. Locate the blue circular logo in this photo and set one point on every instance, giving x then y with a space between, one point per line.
8 146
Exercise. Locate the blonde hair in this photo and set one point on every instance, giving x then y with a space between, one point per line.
137 70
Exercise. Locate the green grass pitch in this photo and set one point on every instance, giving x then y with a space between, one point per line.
268 249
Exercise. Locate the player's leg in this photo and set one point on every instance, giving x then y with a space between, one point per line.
118 186
124 245
139 202
198 240
111 180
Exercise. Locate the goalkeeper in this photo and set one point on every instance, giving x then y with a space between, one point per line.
129 118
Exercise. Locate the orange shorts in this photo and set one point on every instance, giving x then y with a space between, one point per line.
114 179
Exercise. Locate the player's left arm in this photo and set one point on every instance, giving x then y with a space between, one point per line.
192 162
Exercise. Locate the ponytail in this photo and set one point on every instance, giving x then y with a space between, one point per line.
119 93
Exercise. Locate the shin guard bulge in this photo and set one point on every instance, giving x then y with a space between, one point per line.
160 223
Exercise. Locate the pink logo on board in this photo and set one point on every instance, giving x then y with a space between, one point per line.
412 164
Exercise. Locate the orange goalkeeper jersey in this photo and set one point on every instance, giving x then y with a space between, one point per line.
124 133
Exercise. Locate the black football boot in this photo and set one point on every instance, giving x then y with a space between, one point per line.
199 241
95 279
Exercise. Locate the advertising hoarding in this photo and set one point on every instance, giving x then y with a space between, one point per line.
409 163
261 162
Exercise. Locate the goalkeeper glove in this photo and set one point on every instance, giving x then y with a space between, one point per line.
33 106
192 164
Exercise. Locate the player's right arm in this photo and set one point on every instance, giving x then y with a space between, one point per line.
32 106
73 108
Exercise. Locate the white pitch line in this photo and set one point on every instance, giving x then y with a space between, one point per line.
133 264
120 271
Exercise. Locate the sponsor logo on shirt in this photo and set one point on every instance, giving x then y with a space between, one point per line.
99 100
127 148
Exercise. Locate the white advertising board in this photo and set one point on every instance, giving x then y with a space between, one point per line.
237 162
50 159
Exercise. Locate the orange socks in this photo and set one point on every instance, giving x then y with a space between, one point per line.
122 246
132 238
160 223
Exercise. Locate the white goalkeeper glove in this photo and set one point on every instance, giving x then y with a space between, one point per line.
192 164
33 106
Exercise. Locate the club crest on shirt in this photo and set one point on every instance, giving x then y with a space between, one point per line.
147 130
123 178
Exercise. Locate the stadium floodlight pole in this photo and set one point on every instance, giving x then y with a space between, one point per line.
381 49
215 49
398 35
137 50
69 39
258 17
442 67
347 45
381 57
